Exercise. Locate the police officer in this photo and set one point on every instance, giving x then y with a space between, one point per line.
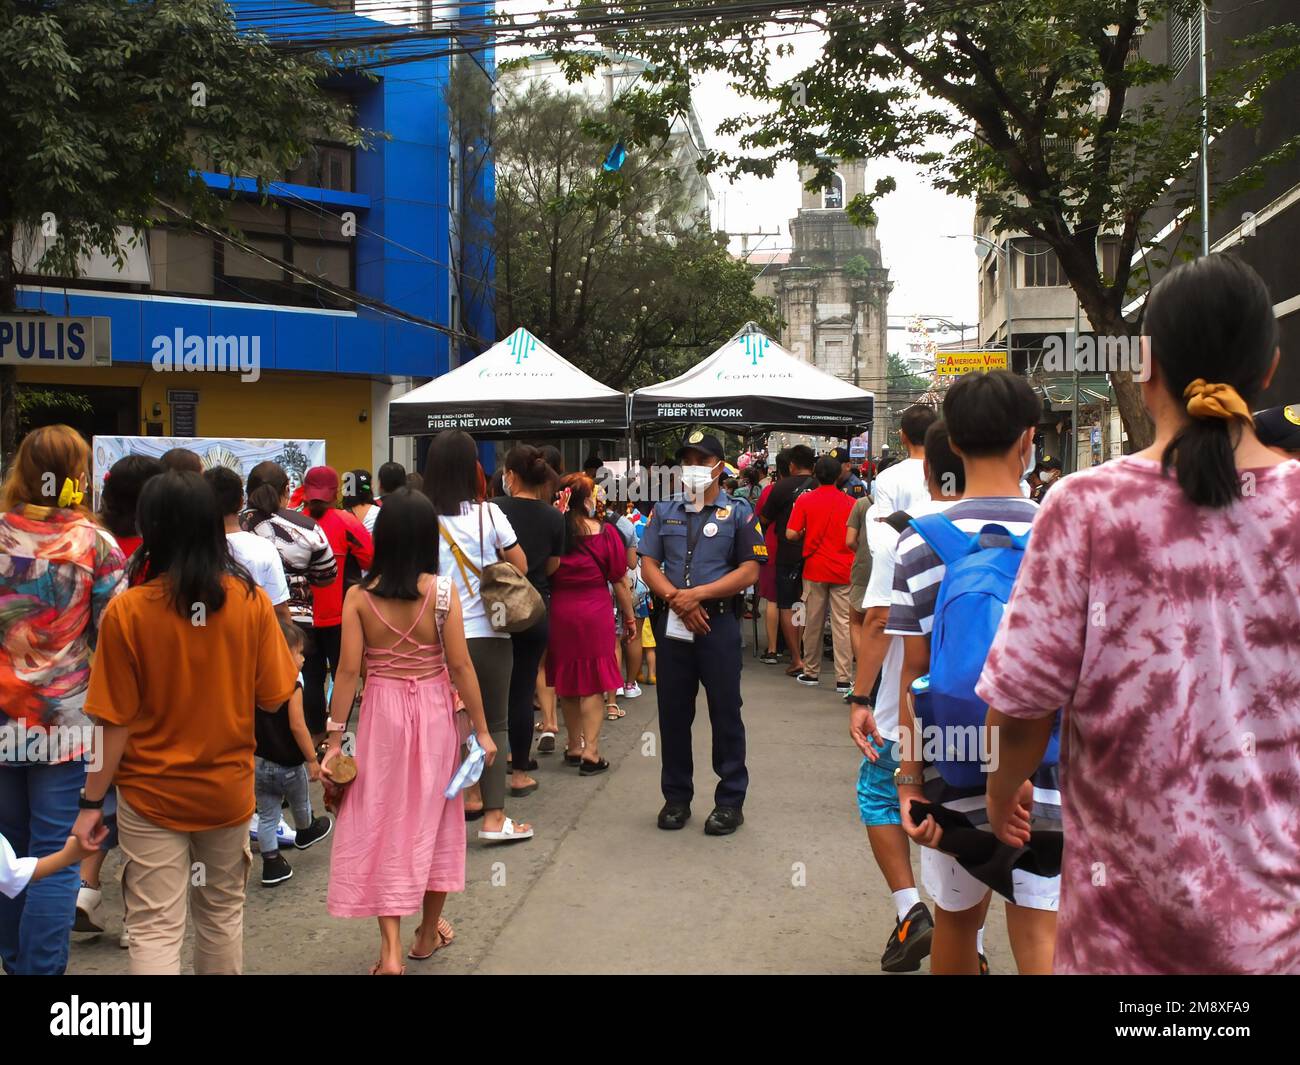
848 481
699 552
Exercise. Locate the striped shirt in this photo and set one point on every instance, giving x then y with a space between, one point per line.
919 572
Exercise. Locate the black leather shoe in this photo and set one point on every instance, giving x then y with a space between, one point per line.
674 815
723 821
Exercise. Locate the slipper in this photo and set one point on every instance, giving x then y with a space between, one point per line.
445 936
508 834
590 769
473 815
527 789
546 743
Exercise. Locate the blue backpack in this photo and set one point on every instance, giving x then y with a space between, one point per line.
976 585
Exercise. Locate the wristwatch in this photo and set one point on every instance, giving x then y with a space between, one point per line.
862 700
88 804
905 780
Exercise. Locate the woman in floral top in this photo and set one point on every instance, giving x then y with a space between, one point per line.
58 571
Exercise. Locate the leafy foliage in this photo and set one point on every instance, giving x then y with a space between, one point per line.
608 267
1059 125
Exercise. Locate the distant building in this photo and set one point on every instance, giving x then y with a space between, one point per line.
832 289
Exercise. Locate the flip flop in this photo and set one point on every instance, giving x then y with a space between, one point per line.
546 743
506 835
590 769
527 789
445 936
473 815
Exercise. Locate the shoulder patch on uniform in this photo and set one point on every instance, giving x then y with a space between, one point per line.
722 513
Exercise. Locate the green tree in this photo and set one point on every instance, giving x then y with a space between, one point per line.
112 106
1059 127
606 266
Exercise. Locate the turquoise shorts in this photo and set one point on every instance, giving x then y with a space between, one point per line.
877 795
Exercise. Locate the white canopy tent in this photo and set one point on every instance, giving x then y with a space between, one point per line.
753 383
518 387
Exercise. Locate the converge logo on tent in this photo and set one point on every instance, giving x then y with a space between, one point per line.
120 1019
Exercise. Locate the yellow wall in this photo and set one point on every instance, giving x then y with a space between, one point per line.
278 405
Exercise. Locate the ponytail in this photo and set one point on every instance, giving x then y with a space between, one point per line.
267 483
1213 333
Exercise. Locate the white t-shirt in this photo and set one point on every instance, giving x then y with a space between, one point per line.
498 535
15 872
262 560
372 515
880 592
901 487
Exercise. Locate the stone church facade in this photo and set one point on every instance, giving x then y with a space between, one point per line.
832 289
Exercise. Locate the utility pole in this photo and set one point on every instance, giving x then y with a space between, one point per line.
1205 138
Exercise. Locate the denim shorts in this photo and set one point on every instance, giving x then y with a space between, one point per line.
877 794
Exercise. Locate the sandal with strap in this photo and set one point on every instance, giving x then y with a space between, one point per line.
445 936
613 712
509 833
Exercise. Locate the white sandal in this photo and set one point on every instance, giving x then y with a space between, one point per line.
507 834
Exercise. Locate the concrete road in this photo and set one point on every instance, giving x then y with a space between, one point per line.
602 890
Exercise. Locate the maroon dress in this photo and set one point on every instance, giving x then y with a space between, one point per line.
580 655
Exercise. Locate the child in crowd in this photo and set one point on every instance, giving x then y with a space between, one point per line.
285 765
16 873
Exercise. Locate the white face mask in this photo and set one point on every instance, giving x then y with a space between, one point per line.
505 485
1046 475
1031 461
695 482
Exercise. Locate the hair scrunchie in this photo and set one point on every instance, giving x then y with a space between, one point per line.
1205 400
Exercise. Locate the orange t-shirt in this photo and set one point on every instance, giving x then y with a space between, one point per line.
187 693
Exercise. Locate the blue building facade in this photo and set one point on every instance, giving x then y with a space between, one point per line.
327 365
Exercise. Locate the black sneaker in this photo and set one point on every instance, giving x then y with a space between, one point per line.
723 821
275 869
770 658
909 943
313 833
674 815
843 687
808 679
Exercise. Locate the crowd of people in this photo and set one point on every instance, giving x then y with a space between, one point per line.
1106 658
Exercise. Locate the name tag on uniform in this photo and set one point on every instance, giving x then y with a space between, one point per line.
675 629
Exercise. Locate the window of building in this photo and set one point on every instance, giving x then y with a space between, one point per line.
246 264
1184 39
333 262
990 286
324 166
181 261
834 196
1109 249
1040 268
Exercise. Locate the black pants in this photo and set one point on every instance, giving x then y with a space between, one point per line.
713 660
528 647
322 658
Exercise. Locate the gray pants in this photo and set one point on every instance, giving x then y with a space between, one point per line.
273 782
493 659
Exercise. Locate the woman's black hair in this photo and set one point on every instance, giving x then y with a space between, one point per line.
946 469
184 542
121 492
782 464
553 458
451 471
406 545
267 484
530 465
1211 318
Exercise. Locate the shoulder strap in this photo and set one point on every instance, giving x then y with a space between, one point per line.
462 560
441 602
948 541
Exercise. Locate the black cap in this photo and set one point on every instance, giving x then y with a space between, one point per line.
1279 427
360 488
839 454
1049 463
701 441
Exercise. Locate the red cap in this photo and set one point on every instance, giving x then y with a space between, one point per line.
321 482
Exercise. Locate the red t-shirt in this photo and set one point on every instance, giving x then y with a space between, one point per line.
822 515
351 544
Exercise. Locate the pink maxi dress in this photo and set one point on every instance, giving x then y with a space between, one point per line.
580 654
397 836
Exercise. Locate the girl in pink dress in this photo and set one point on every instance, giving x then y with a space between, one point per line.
581 662
399 845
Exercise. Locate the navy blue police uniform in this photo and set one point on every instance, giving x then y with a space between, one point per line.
693 549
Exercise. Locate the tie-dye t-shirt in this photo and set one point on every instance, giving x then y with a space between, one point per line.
58 571
1171 634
